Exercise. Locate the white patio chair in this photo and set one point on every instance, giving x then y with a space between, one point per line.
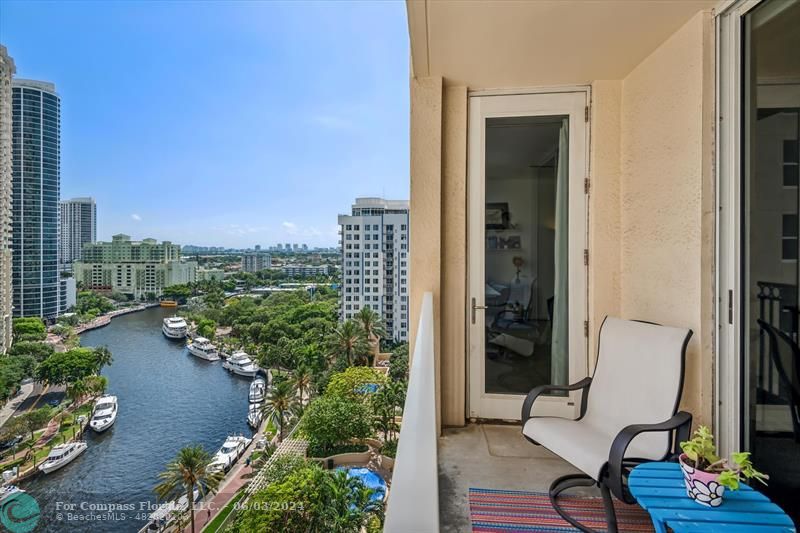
630 416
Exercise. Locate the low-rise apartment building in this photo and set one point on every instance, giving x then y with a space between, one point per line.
135 268
296 271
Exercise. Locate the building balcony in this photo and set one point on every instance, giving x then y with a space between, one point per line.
434 473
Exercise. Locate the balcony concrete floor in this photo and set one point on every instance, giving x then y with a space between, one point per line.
489 457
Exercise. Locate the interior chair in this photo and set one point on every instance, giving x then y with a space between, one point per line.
791 378
514 327
628 412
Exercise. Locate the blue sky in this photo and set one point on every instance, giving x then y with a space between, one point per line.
222 123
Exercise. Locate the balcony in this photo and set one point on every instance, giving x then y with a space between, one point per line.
433 475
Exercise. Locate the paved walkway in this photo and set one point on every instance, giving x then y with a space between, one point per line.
235 480
11 406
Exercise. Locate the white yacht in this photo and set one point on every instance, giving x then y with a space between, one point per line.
233 448
202 348
258 389
8 491
62 455
105 413
254 415
239 363
175 327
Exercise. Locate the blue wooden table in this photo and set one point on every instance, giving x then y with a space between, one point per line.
659 489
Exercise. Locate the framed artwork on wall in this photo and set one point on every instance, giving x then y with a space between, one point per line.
497 216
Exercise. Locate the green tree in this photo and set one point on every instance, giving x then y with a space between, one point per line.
96 385
386 403
77 390
67 367
29 329
348 342
33 420
372 325
280 403
206 328
38 350
301 379
351 505
355 383
331 422
103 357
398 363
187 472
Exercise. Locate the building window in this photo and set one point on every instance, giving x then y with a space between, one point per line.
789 237
791 162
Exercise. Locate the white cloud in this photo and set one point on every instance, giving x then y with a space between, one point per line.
136 217
289 227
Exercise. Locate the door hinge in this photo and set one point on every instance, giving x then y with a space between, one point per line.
586 257
585 328
586 186
586 114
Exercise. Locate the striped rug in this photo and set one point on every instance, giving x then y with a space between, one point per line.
504 511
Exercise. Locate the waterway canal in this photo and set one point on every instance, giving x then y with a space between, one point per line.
167 399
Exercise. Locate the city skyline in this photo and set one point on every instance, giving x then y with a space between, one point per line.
196 164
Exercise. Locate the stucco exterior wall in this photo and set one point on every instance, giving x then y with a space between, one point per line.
651 209
454 257
664 144
604 208
425 228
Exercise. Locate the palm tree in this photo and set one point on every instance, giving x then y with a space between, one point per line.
96 385
103 357
349 341
301 379
372 325
187 472
76 391
280 403
350 506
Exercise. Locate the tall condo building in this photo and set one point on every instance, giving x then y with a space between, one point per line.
375 262
6 170
78 226
136 268
255 262
36 139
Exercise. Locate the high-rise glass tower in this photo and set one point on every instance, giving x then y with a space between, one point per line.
36 170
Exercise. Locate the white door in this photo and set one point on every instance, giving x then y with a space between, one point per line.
527 240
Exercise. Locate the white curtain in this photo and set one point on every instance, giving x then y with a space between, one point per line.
559 368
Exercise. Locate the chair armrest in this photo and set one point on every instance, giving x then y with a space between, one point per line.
680 424
527 405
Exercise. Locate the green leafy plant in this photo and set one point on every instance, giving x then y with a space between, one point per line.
701 453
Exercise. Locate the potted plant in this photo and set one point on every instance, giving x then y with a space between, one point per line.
706 475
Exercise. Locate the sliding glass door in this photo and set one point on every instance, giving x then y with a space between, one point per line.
759 235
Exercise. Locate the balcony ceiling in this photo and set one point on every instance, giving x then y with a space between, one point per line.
501 44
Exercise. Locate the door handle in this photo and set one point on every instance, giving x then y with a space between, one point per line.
475 308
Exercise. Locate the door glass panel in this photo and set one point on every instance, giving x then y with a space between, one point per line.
526 253
771 197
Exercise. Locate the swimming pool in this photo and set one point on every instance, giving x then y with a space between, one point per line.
371 479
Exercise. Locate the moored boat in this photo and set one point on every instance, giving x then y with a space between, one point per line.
231 450
9 491
239 363
105 413
62 455
202 348
258 389
175 327
254 415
